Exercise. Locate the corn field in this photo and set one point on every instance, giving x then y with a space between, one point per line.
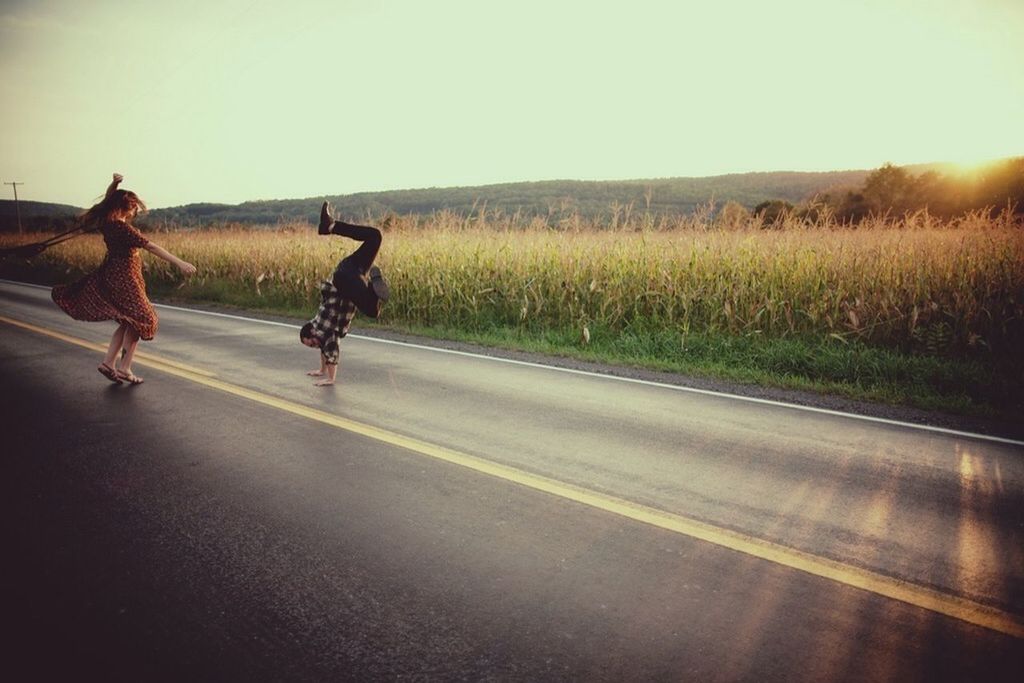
913 284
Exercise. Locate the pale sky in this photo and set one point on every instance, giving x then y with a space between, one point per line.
235 100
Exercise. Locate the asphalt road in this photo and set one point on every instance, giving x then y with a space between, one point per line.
440 516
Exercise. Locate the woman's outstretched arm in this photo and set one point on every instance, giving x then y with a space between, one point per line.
184 266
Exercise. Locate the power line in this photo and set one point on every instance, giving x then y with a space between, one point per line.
17 209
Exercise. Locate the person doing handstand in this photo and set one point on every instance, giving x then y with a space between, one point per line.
356 284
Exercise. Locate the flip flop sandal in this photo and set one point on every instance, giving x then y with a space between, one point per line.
110 373
130 377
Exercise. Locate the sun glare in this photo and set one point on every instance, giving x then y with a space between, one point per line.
970 166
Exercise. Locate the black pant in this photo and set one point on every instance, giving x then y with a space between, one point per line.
351 276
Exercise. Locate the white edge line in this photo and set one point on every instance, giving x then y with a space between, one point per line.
587 373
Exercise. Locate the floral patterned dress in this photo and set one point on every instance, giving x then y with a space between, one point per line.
116 290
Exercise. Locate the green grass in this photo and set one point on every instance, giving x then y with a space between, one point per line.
852 370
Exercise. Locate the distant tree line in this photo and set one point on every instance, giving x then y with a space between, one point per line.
729 200
896 191
594 201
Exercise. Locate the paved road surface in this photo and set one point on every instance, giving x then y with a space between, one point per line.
439 516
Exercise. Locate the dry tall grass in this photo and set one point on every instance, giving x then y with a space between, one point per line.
911 283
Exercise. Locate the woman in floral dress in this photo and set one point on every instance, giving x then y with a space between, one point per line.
116 290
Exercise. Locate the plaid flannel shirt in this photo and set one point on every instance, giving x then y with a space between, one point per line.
332 321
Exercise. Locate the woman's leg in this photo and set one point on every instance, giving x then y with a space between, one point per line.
131 340
114 348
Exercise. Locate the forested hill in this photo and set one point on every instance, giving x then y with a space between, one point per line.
35 216
557 198
590 199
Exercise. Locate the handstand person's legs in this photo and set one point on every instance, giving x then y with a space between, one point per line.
353 277
353 283
364 256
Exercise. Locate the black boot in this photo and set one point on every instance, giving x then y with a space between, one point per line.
326 220
379 284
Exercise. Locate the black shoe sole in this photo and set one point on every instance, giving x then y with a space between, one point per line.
380 287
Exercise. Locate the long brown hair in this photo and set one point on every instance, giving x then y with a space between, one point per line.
121 205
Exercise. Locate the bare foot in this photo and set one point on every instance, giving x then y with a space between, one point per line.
315 373
129 376
323 383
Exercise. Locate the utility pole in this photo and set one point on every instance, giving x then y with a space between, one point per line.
17 209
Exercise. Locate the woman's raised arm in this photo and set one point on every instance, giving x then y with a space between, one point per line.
113 184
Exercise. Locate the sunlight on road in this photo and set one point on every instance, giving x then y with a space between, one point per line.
978 551
876 521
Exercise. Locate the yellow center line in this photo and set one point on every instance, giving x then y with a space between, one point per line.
142 357
147 358
879 584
